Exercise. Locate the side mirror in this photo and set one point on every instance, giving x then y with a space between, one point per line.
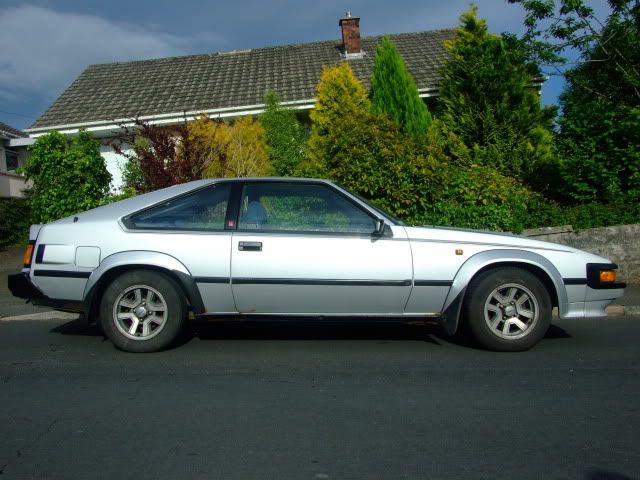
380 227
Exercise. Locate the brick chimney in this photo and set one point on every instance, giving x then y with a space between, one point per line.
350 35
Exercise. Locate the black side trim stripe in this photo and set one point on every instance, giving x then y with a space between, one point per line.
574 281
433 283
212 279
61 274
308 281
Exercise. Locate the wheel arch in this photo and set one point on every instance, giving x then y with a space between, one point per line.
119 263
532 262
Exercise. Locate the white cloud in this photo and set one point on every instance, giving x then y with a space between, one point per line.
43 51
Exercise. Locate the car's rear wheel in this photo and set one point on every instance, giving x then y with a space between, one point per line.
142 311
507 309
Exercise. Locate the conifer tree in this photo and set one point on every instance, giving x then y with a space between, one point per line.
488 100
394 91
341 110
284 134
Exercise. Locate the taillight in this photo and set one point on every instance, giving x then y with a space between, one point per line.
28 254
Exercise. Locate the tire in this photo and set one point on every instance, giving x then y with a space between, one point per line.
142 311
507 309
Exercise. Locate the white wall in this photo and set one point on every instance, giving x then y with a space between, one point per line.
11 186
114 163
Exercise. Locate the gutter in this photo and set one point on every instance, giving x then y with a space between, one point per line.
166 118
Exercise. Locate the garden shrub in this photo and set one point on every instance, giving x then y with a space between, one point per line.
16 219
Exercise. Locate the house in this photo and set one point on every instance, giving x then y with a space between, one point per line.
13 153
230 84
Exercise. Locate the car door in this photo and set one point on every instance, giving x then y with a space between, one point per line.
306 248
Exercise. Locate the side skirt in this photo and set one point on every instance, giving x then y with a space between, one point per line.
433 318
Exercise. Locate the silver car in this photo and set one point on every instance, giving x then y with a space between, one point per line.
267 247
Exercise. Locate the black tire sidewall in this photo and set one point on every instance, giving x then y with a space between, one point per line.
176 314
478 291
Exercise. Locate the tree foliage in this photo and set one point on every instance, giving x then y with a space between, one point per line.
394 91
284 134
16 219
68 173
341 104
158 156
363 150
556 28
417 180
488 101
600 123
162 156
231 150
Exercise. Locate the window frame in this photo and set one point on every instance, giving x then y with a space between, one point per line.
237 207
8 152
130 226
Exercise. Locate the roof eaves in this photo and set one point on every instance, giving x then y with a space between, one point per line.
169 118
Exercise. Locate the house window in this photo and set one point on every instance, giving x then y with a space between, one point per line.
12 160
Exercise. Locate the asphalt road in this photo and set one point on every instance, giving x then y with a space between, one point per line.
279 401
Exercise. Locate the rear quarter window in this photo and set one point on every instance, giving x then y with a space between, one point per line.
204 209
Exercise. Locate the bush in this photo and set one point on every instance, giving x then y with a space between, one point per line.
69 175
160 156
481 198
284 134
16 215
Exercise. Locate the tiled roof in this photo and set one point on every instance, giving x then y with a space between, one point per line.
10 131
227 79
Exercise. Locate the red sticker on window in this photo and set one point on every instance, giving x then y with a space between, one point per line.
231 223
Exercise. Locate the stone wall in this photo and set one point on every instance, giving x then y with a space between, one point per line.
621 244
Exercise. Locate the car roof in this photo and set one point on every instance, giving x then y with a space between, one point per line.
271 179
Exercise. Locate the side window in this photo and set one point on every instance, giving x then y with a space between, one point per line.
201 210
300 207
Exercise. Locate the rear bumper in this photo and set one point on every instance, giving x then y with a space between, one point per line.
20 286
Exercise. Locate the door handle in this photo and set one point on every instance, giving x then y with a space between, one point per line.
250 246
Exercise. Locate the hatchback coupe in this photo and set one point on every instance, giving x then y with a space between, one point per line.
265 247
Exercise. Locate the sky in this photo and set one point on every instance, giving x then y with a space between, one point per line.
46 44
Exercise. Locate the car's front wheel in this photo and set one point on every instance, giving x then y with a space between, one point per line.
507 309
142 311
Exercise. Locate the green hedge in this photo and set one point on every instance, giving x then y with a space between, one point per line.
587 215
16 219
